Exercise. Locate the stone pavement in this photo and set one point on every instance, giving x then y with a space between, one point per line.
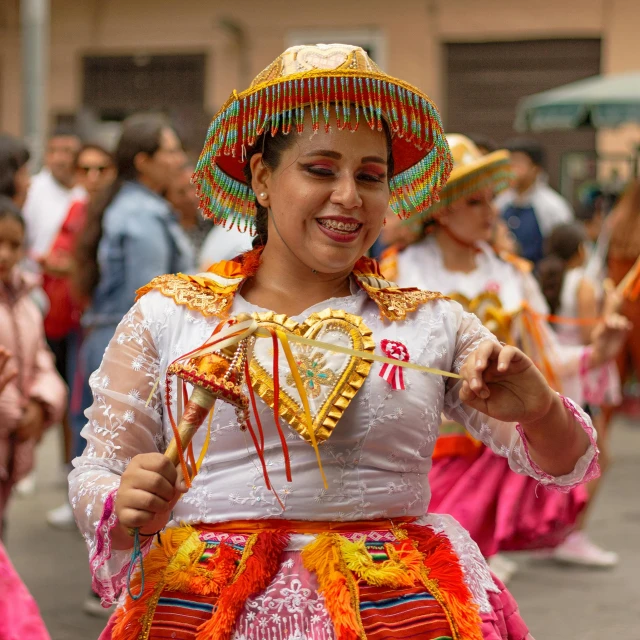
558 603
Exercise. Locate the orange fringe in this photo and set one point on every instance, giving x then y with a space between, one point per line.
134 618
445 579
204 581
324 558
390 573
259 564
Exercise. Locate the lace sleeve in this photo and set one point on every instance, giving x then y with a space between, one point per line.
507 439
120 425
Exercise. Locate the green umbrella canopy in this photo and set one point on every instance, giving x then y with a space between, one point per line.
600 102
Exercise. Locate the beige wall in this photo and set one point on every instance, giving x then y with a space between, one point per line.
621 52
414 30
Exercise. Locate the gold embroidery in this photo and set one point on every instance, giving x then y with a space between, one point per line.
395 303
197 294
346 379
314 372
213 295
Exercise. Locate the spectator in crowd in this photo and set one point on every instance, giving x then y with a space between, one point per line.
14 172
184 199
131 237
51 193
50 196
95 171
531 208
37 396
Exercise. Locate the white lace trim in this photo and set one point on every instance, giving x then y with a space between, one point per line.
476 571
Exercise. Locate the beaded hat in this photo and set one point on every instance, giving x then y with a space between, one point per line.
472 171
323 80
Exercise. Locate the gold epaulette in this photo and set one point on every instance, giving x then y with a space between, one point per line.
206 293
393 301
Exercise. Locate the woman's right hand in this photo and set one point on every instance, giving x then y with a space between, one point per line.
149 489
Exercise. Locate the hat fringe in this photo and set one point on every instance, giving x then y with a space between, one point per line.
282 105
497 176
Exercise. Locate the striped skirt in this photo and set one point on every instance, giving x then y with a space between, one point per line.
306 581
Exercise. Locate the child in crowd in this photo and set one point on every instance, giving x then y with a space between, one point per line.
19 616
36 397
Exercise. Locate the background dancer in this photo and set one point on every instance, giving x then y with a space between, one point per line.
502 510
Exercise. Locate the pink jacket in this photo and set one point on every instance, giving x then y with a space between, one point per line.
22 332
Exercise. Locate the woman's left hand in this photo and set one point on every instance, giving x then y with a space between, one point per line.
503 383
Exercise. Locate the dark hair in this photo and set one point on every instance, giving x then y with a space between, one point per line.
63 131
141 133
272 148
529 147
561 246
9 209
13 156
480 140
94 146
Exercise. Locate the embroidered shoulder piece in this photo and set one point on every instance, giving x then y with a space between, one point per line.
394 302
207 293
212 293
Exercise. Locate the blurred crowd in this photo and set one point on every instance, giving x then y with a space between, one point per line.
78 239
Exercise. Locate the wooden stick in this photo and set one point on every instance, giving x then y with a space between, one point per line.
195 413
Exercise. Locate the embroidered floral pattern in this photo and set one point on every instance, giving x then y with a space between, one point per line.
314 373
290 608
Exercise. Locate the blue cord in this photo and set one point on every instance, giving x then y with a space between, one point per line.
136 555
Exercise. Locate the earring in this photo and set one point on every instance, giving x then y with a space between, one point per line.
262 194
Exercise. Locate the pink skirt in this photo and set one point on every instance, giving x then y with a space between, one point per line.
19 615
502 510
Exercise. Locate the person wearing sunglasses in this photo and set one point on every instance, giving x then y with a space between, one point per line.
94 172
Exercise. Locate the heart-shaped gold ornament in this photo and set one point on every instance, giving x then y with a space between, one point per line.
330 379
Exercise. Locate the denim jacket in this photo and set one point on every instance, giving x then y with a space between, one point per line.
141 239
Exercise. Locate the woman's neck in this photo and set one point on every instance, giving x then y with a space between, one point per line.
286 285
456 255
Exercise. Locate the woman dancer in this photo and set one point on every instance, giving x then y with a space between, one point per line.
501 510
261 543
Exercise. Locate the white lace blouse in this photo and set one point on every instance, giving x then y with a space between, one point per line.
376 461
422 265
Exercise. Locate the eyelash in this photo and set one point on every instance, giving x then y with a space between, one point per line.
325 173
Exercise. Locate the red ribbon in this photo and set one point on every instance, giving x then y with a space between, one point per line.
392 373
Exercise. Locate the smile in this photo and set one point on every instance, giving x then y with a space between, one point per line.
345 228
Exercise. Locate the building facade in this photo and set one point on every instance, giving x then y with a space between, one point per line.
475 58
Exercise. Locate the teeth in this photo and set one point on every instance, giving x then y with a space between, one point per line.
344 227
